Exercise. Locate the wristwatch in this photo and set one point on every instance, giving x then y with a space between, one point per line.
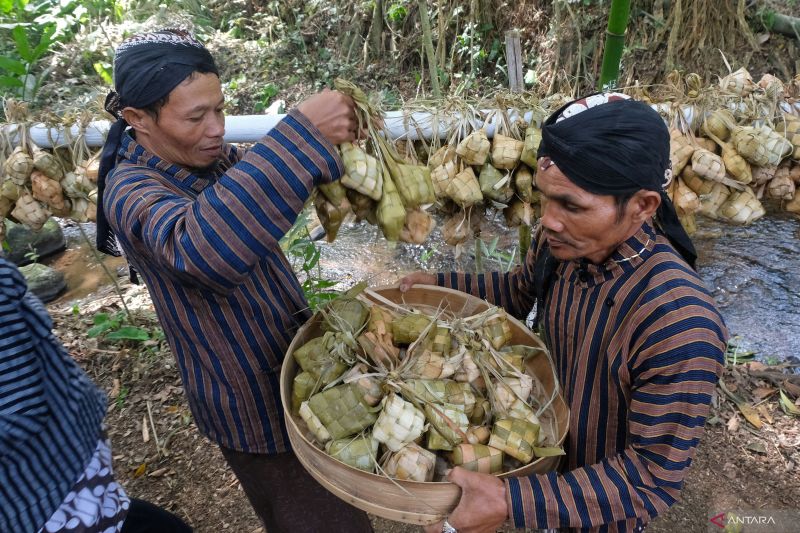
447 528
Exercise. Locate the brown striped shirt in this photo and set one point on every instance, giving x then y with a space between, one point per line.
638 347
206 245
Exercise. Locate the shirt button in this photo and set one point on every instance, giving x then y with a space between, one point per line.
609 302
583 276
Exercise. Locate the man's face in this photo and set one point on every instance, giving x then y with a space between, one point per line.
578 224
191 125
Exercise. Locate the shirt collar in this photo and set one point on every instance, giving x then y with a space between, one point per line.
133 152
626 258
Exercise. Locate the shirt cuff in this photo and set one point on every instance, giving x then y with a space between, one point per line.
322 145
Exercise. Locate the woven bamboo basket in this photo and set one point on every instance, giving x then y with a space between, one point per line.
411 502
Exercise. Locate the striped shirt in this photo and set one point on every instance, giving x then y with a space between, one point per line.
50 412
638 347
206 245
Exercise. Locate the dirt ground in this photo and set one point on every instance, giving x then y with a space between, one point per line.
160 456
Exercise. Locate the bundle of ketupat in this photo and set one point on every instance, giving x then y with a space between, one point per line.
398 391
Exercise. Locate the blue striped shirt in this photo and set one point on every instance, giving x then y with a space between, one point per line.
206 245
638 345
50 412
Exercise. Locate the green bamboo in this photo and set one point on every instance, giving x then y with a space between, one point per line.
428 42
615 41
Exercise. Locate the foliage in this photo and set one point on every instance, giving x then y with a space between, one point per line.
115 327
305 254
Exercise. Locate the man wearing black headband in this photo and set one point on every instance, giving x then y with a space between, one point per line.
200 221
637 341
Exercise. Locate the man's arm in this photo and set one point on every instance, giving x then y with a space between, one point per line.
215 240
673 374
672 389
511 290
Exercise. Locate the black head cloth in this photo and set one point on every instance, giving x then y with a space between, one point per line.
610 144
147 67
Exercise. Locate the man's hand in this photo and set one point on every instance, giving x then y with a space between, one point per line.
333 114
482 507
417 278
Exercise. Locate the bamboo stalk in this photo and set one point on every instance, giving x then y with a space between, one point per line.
615 41
427 39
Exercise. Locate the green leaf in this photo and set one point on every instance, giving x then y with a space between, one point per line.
128 333
99 329
23 46
44 42
12 65
6 6
9 81
100 318
103 72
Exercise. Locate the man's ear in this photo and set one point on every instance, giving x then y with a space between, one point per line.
644 204
139 119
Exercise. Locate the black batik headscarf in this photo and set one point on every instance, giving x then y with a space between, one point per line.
147 68
609 144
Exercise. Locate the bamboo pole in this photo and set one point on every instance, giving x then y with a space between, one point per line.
615 42
427 39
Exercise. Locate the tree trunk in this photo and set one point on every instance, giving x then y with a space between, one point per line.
376 29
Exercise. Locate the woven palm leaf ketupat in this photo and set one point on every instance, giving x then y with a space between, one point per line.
359 452
444 391
18 166
478 434
418 226
342 410
390 213
314 424
718 124
693 180
738 83
777 146
680 150
412 463
362 171
30 212
711 202
474 149
708 165
515 437
523 183
398 423
315 358
495 185
441 177
449 425
441 156
408 328
478 458
464 189
789 126
456 229
749 142
506 151
302 389
49 192
742 207
533 137
334 192
46 163
330 215
781 187
706 143
685 199
762 175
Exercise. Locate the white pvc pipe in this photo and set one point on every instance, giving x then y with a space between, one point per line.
250 128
